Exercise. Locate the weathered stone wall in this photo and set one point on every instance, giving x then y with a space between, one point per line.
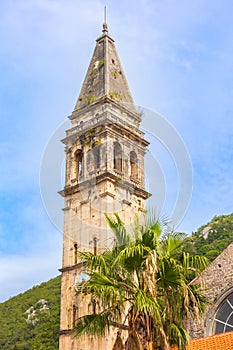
217 280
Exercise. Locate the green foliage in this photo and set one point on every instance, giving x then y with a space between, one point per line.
90 99
101 62
17 334
211 239
115 95
142 285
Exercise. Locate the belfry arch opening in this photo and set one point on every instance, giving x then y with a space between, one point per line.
117 157
78 163
133 165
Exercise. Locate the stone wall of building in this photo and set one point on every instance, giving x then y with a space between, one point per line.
217 281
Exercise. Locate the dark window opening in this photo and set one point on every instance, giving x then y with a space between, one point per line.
78 164
75 253
75 315
94 306
117 157
95 245
133 165
96 151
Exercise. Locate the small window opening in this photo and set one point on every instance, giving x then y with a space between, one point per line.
78 164
74 315
96 151
117 157
133 165
75 253
94 306
95 245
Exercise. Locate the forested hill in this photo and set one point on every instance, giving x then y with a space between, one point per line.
211 239
30 321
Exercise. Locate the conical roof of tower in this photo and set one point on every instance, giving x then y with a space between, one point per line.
105 76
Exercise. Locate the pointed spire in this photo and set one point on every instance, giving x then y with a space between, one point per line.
105 25
105 77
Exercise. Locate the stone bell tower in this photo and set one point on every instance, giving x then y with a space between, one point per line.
104 174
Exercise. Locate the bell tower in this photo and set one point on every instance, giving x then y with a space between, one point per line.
104 174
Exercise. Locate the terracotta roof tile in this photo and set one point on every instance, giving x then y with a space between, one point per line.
223 341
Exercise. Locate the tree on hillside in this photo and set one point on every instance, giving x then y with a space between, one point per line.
212 238
142 286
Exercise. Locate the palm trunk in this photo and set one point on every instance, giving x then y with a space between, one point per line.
165 344
150 346
133 342
118 345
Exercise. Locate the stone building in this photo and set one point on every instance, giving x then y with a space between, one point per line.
217 281
214 330
105 152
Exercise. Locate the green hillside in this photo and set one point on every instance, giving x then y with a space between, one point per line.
211 239
30 321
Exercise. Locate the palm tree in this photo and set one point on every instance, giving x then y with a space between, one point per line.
143 287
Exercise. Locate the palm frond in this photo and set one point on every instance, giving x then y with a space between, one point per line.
199 262
151 235
96 262
94 324
172 243
168 274
119 230
178 336
132 256
198 301
147 305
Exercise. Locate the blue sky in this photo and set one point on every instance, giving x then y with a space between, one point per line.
178 60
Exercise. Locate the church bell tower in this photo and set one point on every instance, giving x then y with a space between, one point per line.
105 152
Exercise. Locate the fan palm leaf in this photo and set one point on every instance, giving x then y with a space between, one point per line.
142 285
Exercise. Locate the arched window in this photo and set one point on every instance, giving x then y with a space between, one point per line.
78 164
117 157
223 321
133 165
